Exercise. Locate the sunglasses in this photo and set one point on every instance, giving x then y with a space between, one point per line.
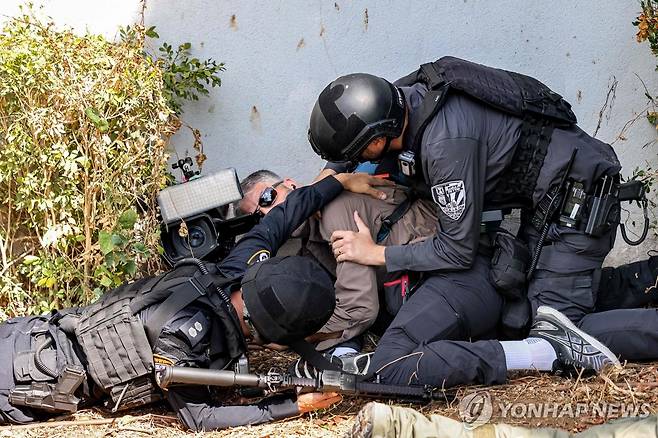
267 198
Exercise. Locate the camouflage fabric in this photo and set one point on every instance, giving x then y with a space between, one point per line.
383 421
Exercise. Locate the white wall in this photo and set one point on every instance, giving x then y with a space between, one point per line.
280 54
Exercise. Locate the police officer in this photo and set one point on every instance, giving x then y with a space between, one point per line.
199 315
478 139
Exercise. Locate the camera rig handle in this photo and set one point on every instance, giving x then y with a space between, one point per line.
185 165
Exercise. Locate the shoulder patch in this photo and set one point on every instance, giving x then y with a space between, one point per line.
451 198
162 360
258 256
195 329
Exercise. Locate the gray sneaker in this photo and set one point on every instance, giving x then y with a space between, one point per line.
356 363
574 347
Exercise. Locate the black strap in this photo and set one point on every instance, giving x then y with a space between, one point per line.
179 297
432 102
147 297
312 356
396 215
432 75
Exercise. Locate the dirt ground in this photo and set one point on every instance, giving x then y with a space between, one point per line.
635 385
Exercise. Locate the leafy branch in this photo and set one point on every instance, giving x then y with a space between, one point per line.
185 77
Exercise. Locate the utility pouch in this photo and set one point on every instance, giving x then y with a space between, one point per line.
113 340
398 287
138 392
515 318
51 397
39 364
509 264
604 208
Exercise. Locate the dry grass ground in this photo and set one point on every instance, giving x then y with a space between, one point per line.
635 384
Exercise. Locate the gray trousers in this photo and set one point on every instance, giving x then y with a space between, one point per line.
567 279
429 341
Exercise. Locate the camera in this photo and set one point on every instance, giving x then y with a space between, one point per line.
195 217
407 163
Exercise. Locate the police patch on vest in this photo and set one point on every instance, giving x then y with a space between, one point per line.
451 197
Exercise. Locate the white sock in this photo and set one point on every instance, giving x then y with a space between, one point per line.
529 354
342 351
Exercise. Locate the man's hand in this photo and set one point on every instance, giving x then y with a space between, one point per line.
358 247
363 183
313 401
325 173
276 347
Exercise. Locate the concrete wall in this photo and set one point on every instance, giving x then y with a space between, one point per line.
280 54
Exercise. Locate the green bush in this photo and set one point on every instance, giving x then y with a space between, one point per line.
647 24
84 124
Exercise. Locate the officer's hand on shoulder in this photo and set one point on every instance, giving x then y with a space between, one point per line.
363 183
317 400
323 174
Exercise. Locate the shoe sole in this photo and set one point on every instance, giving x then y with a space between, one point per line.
570 325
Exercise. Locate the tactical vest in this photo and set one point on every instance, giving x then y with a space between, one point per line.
540 108
119 347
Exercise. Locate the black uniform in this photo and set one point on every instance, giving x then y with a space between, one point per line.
465 152
116 353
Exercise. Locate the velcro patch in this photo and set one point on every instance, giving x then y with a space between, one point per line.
195 328
451 198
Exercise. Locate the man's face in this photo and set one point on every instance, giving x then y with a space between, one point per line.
249 203
374 149
248 329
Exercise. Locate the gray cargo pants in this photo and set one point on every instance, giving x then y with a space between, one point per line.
427 342
356 285
567 279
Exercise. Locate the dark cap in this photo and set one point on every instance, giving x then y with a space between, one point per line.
288 298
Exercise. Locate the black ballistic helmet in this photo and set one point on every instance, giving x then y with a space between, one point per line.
288 298
352 111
